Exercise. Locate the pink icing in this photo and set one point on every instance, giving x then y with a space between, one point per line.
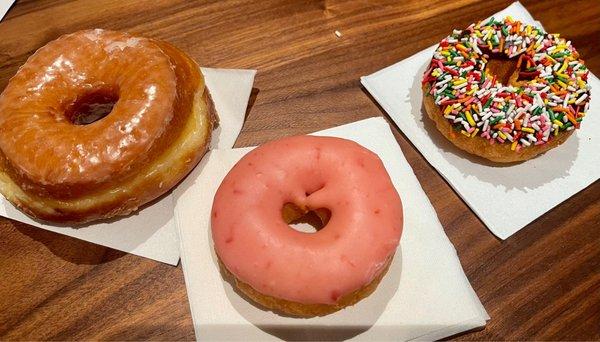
261 249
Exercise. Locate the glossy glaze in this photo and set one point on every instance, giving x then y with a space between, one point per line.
98 123
259 248
43 145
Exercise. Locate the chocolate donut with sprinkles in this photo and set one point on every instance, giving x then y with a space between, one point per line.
506 91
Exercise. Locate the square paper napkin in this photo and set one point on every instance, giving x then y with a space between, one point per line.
4 7
425 293
151 232
506 198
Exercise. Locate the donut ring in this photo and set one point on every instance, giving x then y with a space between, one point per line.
544 98
304 274
55 166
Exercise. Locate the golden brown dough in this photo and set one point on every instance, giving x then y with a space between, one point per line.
301 309
506 91
500 153
56 167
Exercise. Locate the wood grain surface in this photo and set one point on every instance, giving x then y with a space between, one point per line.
543 283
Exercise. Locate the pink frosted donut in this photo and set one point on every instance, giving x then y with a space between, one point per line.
300 273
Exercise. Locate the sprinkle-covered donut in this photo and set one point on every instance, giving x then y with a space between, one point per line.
544 99
307 274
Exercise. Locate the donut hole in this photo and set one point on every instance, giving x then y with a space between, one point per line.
305 220
502 67
92 106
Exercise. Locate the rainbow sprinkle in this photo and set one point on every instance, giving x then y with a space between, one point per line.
554 96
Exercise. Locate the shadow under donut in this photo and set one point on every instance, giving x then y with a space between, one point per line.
341 325
78 251
68 248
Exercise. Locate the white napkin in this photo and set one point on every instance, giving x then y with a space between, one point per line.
506 198
151 232
4 7
424 295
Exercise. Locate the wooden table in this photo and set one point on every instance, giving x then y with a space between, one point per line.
542 283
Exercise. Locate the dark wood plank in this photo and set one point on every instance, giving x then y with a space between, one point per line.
542 283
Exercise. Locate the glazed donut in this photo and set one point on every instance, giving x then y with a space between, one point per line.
298 273
97 123
506 91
